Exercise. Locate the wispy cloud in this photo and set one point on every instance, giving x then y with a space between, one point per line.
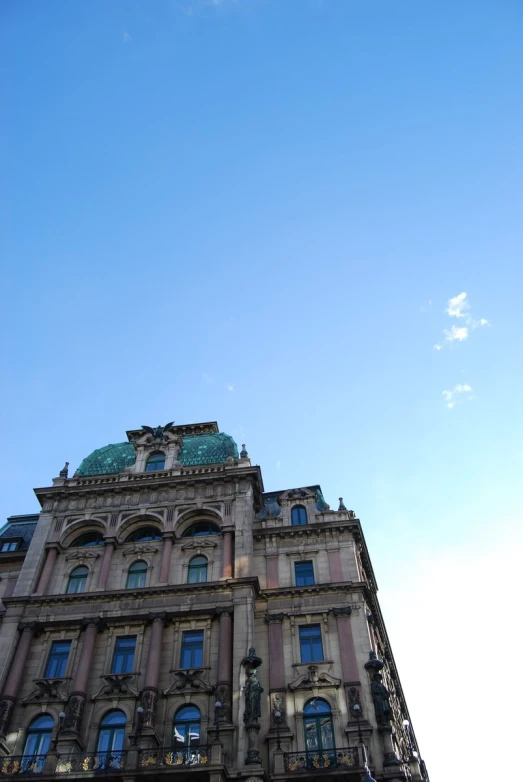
126 37
278 464
209 379
455 395
459 307
229 386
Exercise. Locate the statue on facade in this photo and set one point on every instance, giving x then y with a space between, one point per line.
381 698
253 691
158 432
64 472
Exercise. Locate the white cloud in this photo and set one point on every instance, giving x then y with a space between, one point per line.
126 37
278 464
229 386
452 397
459 307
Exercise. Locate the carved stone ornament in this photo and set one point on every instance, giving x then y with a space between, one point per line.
354 697
188 681
139 548
274 618
84 554
7 706
117 685
199 543
47 689
149 703
74 712
314 678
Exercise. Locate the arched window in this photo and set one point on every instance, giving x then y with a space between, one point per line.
317 725
298 516
89 539
136 575
144 533
156 461
77 580
37 744
111 737
197 570
186 731
202 528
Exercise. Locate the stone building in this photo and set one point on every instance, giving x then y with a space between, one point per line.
163 615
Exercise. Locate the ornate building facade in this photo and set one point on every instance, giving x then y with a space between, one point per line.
163 615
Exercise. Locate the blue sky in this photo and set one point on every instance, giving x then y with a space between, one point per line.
257 212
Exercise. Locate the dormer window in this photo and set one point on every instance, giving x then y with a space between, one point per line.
10 545
298 516
155 462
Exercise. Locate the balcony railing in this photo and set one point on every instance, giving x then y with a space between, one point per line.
322 760
167 757
23 764
91 761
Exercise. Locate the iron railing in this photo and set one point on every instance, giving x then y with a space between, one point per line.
167 757
23 764
91 761
322 760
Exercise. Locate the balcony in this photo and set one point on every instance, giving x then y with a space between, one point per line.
322 760
22 764
91 761
167 757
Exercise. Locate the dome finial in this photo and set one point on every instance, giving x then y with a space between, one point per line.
243 452
342 506
64 472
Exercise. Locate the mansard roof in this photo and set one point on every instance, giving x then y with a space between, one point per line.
214 448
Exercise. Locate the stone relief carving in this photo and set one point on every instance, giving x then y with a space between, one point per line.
188 681
314 678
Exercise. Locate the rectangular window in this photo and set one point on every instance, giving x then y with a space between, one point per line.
10 545
311 647
123 655
192 649
57 660
303 573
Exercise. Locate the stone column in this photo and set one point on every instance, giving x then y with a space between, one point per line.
45 575
149 696
272 571
349 664
14 677
335 565
227 553
277 688
110 545
168 539
74 710
224 683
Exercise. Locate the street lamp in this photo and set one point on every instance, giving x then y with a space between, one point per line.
217 706
139 723
277 720
61 718
356 709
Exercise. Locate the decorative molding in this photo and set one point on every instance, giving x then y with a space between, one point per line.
47 689
117 685
188 681
274 618
314 678
344 611
199 543
84 554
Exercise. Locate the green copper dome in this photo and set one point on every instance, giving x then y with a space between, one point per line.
201 449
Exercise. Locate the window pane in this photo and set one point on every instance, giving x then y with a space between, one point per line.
298 515
57 661
137 576
192 649
155 462
123 656
304 573
311 647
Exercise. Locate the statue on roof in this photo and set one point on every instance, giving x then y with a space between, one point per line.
158 432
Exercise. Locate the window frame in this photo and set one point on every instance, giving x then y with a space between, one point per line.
112 733
305 643
151 459
198 569
10 544
72 579
123 654
300 563
186 723
42 743
296 512
58 659
319 720
140 572
192 648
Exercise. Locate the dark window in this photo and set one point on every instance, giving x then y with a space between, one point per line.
192 649
89 539
317 724
9 545
311 647
77 580
37 743
144 533
186 731
57 660
304 573
111 737
202 528
156 461
137 575
298 516
123 655
197 570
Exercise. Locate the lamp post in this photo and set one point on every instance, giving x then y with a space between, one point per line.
357 713
217 706
61 718
139 723
277 720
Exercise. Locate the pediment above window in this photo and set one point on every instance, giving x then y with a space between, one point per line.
314 678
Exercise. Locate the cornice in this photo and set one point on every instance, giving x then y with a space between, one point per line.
339 586
308 530
109 596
